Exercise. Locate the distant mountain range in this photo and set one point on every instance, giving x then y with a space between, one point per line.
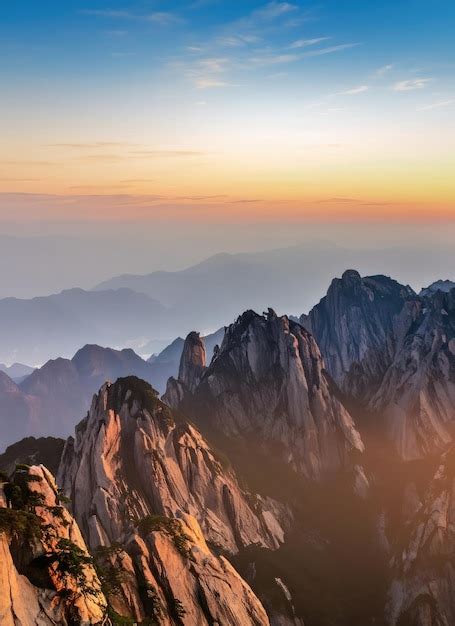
52 398
146 312
16 371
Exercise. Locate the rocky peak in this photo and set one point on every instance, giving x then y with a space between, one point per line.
438 285
268 382
193 361
354 327
144 480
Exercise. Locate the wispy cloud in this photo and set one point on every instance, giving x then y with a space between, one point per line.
108 13
19 180
272 10
354 91
94 145
382 71
140 154
28 163
274 59
210 83
238 41
411 84
329 50
168 153
438 105
159 17
304 43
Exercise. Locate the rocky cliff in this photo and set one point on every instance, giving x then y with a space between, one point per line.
422 592
267 381
151 496
417 395
46 574
354 327
393 352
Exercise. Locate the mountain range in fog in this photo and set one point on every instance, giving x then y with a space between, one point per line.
296 471
146 312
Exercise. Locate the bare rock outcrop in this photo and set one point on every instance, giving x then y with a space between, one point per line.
267 381
417 396
150 494
354 327
423 567
46 573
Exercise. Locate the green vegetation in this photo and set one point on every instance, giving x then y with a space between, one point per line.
20 520
178 609
169 525
146 397
119 620
111 577
21 524
70 561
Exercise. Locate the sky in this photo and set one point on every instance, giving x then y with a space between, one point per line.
215 111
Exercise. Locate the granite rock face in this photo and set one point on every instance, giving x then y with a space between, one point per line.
268 381
422 592
417 394
144 481
46 573
354 327
393 352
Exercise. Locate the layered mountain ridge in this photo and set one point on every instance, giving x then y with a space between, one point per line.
143 479
392 352
267 380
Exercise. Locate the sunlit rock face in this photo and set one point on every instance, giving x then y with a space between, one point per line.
39 581
144 480
423 572
267 382
417 395
354 327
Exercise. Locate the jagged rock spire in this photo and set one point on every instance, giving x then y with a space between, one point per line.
193 361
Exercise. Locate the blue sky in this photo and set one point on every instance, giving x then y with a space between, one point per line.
266 103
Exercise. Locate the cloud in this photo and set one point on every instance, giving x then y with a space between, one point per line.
338 201
210 83
140 154
411 85
274 59
272 10
163 18
304 43
19 180
168 153
246 201
94 145
205 73
238 41
108 13
437 105
381 71
354 91
28 163
159 17
133 181
329 50
197 198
